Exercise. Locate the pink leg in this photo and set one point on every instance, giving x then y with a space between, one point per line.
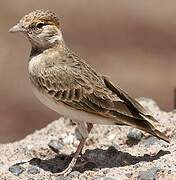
77 153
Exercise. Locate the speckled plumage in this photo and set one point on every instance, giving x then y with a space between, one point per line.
67 84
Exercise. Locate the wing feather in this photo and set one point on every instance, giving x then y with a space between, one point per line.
78 91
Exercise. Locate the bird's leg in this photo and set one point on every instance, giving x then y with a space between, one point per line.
89 127
81 127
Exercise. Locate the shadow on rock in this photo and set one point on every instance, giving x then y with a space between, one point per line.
96 158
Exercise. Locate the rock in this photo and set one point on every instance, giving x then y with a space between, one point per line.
1 163
149 174
55 145
128 175
69 139
33 170
134 136
16 169
74 174
151 141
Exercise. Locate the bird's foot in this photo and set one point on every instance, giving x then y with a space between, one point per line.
68 169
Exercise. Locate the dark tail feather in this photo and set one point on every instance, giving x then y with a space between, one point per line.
160 135
148 127
141 124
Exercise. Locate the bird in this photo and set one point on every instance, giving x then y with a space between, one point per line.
67 84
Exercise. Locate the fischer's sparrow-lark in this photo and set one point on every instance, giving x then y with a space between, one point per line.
68 85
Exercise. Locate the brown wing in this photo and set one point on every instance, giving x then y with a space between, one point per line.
83 92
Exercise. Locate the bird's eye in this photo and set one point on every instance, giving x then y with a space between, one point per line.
40 25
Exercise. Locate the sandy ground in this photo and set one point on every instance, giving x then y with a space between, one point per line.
111 152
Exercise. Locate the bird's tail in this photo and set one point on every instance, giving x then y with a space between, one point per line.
142 124
160 135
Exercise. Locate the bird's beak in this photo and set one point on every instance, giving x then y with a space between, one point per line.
17 28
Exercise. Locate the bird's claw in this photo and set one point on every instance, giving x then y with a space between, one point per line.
68 169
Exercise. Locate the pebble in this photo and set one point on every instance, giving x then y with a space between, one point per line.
68 139
128 175
33 170
134 135
149 174
106 171
74 174
16 169
1 163
55 145
151 141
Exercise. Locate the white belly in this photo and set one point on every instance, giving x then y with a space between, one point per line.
70 112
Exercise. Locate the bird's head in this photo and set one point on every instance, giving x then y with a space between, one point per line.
42 28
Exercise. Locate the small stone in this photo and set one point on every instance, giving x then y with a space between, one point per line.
149 174
151 141
16 169
69 139
74 174
106 171
128 175
134 136
33 170
1 163
55 145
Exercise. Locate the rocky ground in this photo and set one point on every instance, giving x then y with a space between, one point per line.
111 152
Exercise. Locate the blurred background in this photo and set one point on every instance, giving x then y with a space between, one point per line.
134 42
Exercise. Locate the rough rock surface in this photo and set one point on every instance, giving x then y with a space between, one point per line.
109 152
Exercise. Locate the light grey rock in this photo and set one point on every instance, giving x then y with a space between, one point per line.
33 170
55 145
149 174
16 169
69 139
1 163
74 174
151 141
